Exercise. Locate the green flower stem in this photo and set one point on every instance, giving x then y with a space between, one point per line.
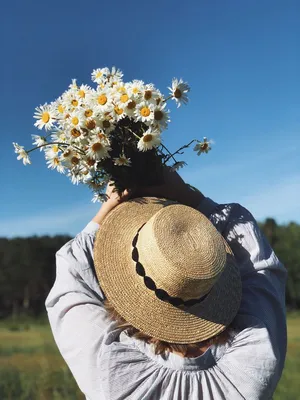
170 156
168 98
180 149
58 143
133 133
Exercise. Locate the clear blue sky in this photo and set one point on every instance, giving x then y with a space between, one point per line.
241 58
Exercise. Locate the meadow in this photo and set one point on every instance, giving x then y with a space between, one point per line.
31 367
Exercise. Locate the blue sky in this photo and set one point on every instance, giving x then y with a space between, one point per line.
241 59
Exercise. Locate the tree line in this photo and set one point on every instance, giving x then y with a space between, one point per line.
27 268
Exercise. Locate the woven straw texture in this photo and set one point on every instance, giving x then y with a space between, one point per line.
183 253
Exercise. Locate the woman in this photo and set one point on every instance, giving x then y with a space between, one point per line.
147 301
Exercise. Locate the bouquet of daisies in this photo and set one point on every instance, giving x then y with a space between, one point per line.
109 133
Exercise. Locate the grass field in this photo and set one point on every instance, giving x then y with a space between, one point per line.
32 369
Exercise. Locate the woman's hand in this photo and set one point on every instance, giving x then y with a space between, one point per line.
174 188
113 199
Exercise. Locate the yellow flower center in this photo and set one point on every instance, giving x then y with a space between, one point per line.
90 162
56 161
177 93
75 132
45 117
67 153
158 115
74 103
81 93
55 148
135 90
122 89
148 94
75 121
101 135
147 138
124 98
102 99
91 124
131 105
97 147
145 111
122 160
118 110
88 113
60 108
106 123
99 74
75 160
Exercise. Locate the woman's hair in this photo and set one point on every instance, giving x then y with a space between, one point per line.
160 346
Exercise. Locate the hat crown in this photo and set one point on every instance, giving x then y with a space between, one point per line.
181 251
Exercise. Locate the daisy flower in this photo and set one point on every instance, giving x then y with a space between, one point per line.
106 123
148 141
150 94
99 74
71 100
55 163
52 152
161 116
102 100
130 108
114 76
203 147
73 85
118 113
178 165
75 120
67 156
83 91
22 154
179 91
122 161
122 98
135 88
60 109
45 116
144 112
97 134
59 135
39 141
97 150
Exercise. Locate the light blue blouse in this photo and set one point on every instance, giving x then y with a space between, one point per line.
108 365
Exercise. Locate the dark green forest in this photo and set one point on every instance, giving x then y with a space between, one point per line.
27 268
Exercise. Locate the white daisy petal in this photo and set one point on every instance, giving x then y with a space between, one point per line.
179 91
148 141
203 147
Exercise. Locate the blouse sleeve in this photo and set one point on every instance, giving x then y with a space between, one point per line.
259 350
75 309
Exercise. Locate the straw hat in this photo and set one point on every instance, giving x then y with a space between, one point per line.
167 270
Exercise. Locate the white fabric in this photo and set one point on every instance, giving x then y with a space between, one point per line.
108 365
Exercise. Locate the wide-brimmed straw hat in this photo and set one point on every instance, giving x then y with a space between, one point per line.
167 270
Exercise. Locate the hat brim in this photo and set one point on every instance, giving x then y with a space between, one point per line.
139 306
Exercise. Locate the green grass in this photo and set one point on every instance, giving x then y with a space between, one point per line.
31 367
289 385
